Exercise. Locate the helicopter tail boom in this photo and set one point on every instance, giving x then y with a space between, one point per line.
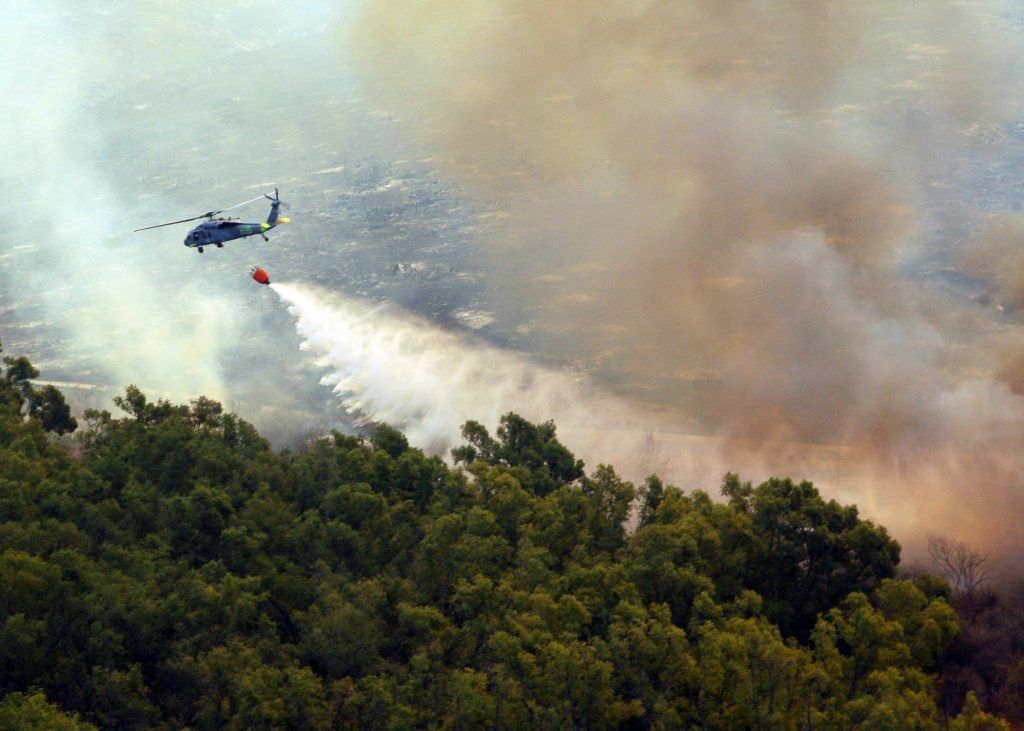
275 205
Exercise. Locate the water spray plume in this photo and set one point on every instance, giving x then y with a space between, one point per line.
391 366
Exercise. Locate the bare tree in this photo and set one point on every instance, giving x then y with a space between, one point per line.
963 567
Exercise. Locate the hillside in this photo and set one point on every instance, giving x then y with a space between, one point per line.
173 571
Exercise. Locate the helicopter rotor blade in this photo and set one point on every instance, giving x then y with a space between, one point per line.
238 205
171 223
208 214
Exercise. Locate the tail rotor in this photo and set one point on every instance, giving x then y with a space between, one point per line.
277 203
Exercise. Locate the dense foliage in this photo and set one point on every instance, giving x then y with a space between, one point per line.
179 573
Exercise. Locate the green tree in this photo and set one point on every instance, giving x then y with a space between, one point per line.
239 689
389 440
651 494
872 641
519 443
973 718
49 406
928 626
654 664
18 376
340 638
32 712
472 705
809 553
610 500
135 403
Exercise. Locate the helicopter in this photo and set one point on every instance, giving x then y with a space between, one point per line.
217 231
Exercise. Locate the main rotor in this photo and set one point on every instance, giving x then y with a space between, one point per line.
209 214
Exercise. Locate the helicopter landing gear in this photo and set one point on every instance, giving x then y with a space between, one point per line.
200 249
220 246
265 238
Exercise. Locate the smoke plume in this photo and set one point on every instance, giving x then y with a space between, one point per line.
724 200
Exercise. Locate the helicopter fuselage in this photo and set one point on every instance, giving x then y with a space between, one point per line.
217 231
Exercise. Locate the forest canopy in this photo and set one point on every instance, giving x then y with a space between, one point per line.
166 568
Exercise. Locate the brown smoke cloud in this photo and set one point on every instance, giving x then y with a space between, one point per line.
709 201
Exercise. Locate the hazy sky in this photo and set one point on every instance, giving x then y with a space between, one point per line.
69 243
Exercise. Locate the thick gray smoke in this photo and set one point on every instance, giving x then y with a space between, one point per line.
732 204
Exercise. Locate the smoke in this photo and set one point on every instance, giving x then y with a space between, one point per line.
724 202
762 225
